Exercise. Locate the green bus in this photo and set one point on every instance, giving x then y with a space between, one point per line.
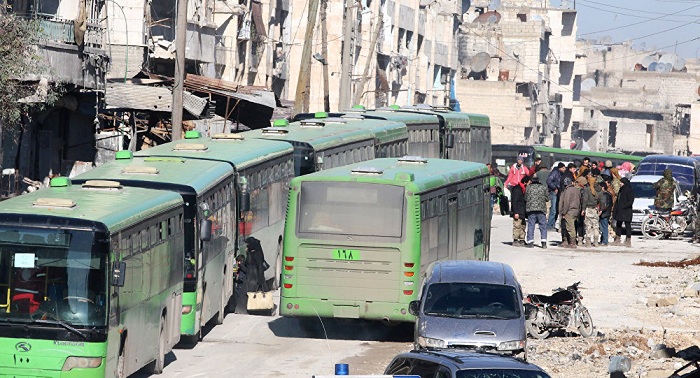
358 237
262 170
505 155
208 190
91 280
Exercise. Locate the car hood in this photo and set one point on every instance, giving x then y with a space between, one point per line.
472 332
643 204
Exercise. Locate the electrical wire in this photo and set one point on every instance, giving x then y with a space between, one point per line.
640 22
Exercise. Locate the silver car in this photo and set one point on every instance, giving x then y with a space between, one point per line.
474 305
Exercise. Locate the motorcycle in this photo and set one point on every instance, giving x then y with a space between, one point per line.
659 225
561 310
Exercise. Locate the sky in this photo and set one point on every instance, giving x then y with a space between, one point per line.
668 25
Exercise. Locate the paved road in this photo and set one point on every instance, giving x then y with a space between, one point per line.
257 346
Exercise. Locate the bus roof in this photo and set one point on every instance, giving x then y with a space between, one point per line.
603 155
200 175
116 208
384 130
238 152
320 136
409 118
427 174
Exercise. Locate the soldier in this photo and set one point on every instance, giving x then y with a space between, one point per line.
664 192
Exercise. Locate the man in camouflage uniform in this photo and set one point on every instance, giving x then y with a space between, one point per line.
664 192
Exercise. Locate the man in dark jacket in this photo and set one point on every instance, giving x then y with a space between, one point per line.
606 205
570 172
536 199
517 205
553 183
622 212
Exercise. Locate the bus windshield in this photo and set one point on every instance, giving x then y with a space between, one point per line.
49 275
351 208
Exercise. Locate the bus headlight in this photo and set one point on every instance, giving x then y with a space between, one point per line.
81 363
512 345
429 342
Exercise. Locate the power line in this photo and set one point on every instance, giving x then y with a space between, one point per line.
631 9
646 52
626 14
640 22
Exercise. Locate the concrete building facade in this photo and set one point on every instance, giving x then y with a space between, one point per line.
527 83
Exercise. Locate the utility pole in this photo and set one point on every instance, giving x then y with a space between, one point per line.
301 100
179 80
346 66
370 57
324 52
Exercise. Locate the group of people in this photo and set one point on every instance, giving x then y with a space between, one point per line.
587 197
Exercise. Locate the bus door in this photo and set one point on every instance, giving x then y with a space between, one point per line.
452 226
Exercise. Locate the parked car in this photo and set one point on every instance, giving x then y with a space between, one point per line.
467 304
460 364
644 194
686 169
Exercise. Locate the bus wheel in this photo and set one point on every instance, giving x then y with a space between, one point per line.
156 367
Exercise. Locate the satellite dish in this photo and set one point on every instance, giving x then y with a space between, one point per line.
664 67
680 64
490 17
647 60
587 84
480 61
668 67
652 66
668 58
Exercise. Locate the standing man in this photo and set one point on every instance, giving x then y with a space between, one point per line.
590 209
536 198
569 209
623 212
606 205
553 183
664 192
536 167
570 172
516 173
517 205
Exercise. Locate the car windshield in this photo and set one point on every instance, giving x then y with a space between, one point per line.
500 373
643 190
477 300
684 174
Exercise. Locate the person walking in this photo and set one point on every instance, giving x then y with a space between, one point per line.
590 209
606 205
664 192
517 205
569 208
622 212
516 173
553 183
536 198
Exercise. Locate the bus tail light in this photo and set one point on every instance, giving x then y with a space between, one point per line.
81 363
287 286
288 258
408 274
288 267
408 292
409 265
186 310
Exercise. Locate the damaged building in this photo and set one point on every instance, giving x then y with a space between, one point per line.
518 64
637 101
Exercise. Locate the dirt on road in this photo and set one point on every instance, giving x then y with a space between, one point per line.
644 300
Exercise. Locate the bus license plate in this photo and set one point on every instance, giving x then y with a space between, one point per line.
346 254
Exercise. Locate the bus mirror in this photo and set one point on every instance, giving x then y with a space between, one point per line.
244 204
118 273
413 307
205 230
450 141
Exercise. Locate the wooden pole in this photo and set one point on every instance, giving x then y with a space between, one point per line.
324 52
370 58
301 100
179 79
